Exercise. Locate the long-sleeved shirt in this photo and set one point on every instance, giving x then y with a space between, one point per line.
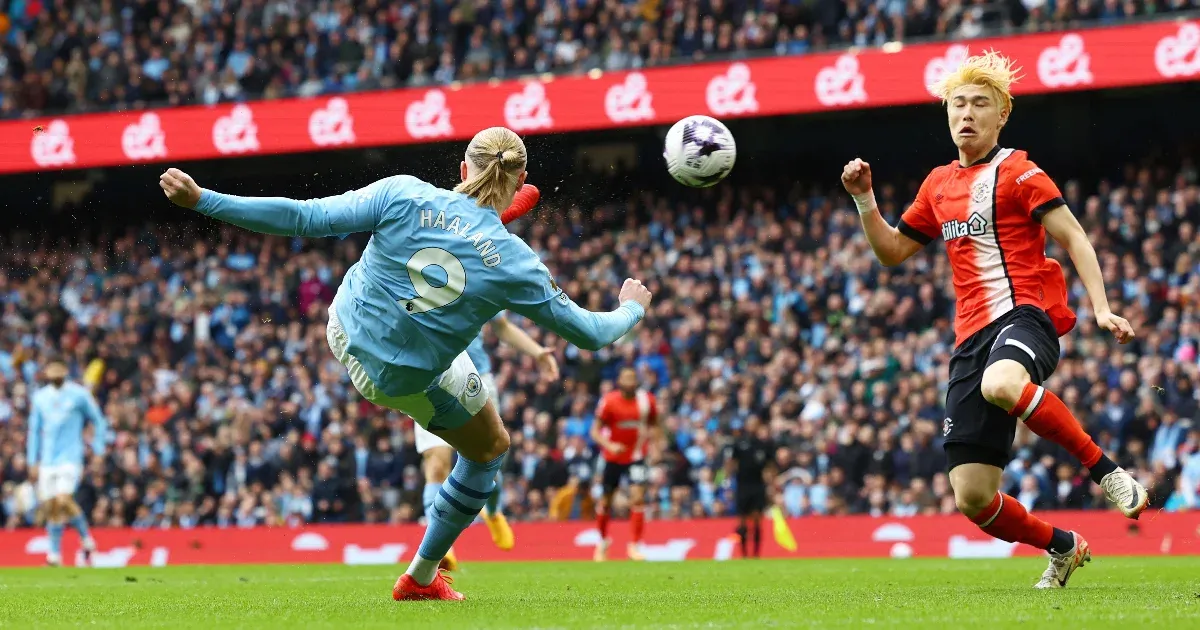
437 267
57 417
479 356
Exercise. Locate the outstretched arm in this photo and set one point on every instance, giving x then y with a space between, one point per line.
1065 229
581 327
892 245
512 335
530 290
353 211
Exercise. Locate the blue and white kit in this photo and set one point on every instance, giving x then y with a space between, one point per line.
437 267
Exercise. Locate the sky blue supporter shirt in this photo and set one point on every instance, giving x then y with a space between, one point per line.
57 416
437 267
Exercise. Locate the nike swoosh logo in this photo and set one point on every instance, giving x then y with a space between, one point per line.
1133 500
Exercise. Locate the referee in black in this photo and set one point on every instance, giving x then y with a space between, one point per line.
749 460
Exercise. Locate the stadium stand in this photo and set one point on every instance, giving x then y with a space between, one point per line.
73 56
206 348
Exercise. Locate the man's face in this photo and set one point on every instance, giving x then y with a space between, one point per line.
975 117
628 382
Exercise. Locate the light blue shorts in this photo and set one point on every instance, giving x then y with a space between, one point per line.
452 399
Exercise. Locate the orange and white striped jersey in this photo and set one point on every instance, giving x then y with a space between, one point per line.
625 421
989 214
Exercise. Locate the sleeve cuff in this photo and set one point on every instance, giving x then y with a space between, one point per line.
913 233
1044 207
636 309
207 198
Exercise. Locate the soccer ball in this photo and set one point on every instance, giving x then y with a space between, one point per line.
699 151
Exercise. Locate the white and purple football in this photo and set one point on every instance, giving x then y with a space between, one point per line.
699 151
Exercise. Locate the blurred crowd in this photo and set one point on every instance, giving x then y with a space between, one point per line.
77 55
227 409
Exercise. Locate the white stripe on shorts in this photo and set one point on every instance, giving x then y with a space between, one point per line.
1016 343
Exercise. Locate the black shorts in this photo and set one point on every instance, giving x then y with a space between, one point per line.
977 431
636 472
751 498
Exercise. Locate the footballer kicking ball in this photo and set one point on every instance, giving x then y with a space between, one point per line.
699 151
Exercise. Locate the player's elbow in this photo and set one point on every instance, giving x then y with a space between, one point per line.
889 258
591 344
585 341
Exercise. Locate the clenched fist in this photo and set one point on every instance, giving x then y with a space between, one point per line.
180 188
856 177
636 291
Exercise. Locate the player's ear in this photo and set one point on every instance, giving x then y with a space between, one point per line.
521 179
462 170
1003 118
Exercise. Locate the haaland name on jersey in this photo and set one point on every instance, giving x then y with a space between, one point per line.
487 251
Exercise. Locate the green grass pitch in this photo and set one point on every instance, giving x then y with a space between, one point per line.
1122 593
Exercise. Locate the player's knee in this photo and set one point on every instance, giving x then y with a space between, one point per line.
68 505
1003 382
973 499
499 446
54 510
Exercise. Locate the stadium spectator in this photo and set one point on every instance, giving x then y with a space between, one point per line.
83 56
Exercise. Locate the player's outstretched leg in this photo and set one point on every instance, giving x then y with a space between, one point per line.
1007 384
481 443
976 493
493 517
435 464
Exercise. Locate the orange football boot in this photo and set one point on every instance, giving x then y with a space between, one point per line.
407 589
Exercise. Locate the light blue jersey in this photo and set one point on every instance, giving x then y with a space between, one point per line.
437 267
479 355
56 419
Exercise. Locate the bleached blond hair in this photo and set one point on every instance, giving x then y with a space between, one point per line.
990 69
495 158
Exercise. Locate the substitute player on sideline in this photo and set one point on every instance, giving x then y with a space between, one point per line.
439 265
624 420
994 208
436 454
55 450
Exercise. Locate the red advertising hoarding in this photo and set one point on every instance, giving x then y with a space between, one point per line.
821 537
1120 56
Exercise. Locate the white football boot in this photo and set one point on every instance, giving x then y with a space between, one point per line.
1062 565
